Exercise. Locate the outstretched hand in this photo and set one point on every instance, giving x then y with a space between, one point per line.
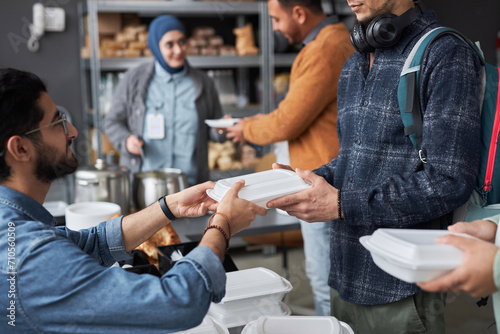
240 212
235 133
315 204
192 202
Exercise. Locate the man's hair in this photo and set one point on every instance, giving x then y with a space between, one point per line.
19 109
313 5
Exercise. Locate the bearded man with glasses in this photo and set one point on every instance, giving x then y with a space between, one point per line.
53 279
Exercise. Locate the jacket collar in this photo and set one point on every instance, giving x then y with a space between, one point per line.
325 22
415 29
195 75
26 205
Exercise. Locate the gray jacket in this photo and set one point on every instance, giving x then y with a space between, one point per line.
128 110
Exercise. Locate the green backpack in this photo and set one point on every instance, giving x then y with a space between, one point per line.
488 178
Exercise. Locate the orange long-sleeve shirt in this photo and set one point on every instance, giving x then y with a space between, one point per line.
307 117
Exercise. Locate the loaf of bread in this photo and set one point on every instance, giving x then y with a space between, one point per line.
164 237
204 32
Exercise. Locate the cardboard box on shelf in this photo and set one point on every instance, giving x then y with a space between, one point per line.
109 23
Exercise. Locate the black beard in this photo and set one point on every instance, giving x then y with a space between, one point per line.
48 167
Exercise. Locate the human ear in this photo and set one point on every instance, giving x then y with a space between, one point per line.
19 148
299 14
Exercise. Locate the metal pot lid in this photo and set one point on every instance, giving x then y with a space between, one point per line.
100 169
160 173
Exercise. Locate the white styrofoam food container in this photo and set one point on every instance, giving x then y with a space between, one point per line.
251 293
412 255
208 326
261 187
253 284
242 316
269 324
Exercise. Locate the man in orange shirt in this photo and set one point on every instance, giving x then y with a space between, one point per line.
307 117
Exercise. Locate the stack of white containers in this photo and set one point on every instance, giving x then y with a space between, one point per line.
250 294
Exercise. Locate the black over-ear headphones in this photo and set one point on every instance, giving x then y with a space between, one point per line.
384 30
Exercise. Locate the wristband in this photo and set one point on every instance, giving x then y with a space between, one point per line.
165 209
339 205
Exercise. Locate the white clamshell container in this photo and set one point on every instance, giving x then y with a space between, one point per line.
269 324
240 317
251 293
208 326
261 187
412 255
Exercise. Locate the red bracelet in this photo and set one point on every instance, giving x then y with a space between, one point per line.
221 231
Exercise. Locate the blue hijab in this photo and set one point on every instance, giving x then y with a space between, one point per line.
159 27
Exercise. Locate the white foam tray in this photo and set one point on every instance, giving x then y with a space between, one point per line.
261 187
251 293
221 123
242 316
412 255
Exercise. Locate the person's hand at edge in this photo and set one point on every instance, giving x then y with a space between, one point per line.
475 275
482 229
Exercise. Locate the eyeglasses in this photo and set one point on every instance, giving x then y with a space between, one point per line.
63 121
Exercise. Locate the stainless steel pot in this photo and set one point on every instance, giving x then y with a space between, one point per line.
149 186
103 183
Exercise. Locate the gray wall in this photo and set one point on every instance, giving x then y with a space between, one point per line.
478 19
57 62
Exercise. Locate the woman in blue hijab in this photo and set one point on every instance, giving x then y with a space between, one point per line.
157 116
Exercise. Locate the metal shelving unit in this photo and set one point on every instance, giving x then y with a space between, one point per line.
122 64
179 8
266 61
94 66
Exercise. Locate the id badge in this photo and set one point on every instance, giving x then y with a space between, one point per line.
156 126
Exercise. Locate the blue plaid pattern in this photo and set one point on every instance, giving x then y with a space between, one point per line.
383 181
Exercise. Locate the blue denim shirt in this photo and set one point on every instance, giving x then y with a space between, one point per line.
382 180
55 280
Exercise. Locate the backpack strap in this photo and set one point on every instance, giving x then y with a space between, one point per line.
409 81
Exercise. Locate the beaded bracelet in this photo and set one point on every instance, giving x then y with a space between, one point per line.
225 218
339 204
220 228
221 231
